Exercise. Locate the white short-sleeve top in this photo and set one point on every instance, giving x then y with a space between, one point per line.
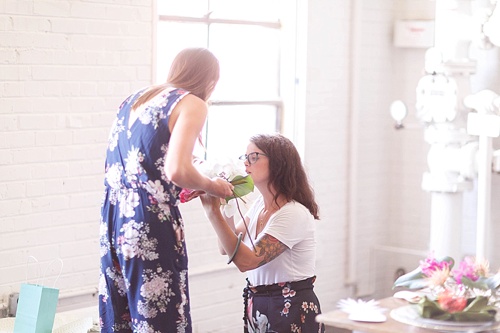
294 226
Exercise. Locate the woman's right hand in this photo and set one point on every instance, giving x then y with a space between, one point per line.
220 187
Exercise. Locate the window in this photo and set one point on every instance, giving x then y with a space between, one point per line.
255 44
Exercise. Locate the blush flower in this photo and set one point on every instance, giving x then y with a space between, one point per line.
450 302
438 277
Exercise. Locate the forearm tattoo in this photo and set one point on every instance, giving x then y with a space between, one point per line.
268 247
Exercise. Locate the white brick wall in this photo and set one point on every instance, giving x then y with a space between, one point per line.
65 65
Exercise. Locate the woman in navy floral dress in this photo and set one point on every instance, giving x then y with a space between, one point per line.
143 285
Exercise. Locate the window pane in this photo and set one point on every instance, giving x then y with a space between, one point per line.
249 60
256 10
172 38
189 8
230 127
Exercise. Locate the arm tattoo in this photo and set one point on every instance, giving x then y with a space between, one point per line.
268 247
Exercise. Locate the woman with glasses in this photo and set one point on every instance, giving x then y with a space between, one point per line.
275 243
143 285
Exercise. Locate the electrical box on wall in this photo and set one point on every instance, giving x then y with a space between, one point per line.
414 33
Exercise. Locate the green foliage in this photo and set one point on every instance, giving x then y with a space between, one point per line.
242 186
477 310
416 279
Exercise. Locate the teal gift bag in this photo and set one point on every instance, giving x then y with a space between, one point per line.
36 308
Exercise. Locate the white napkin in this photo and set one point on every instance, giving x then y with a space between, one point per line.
360 310
409 296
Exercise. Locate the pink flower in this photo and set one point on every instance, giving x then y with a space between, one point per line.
430 265
188 195
185 195
466 268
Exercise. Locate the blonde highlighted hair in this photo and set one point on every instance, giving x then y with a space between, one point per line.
194 69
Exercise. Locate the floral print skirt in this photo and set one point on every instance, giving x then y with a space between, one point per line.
282 308
143 284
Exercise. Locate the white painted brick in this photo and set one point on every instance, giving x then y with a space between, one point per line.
71 89
87 167
20 139
8 73
44 73
34 122
49 170
6 157
93 182
23 7
35 188
126 13
69 25
52 8
34 88
53 138
15 207
86 199
50 203
13 106
30 23
90 135
79 120
36 56
5 21
7 56
31 155
14 89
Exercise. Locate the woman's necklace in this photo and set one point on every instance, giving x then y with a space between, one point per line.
263 218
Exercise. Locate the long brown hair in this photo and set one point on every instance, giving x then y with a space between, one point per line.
193 69
286 173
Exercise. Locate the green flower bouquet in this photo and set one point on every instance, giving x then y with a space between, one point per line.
465 294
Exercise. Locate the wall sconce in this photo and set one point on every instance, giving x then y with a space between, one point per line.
399 111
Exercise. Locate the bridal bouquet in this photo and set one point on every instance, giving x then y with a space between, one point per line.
232 172
466 293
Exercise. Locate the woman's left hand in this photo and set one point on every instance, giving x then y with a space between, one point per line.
210 203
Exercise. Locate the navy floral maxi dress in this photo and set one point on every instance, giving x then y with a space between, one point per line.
143 285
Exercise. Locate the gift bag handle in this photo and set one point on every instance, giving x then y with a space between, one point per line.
40 278
44 276
37 271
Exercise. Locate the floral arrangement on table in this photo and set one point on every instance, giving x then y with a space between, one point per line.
232 172
468 293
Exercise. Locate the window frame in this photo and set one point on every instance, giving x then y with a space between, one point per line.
290 93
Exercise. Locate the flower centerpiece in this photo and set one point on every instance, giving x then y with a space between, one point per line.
468 293
232 172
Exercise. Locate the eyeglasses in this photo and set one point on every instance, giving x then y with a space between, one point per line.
252 157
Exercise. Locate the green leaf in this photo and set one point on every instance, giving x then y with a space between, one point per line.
479 283
478 310
416 279
493 281
242 186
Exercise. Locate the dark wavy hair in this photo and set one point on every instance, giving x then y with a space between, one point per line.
193 69
287 175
